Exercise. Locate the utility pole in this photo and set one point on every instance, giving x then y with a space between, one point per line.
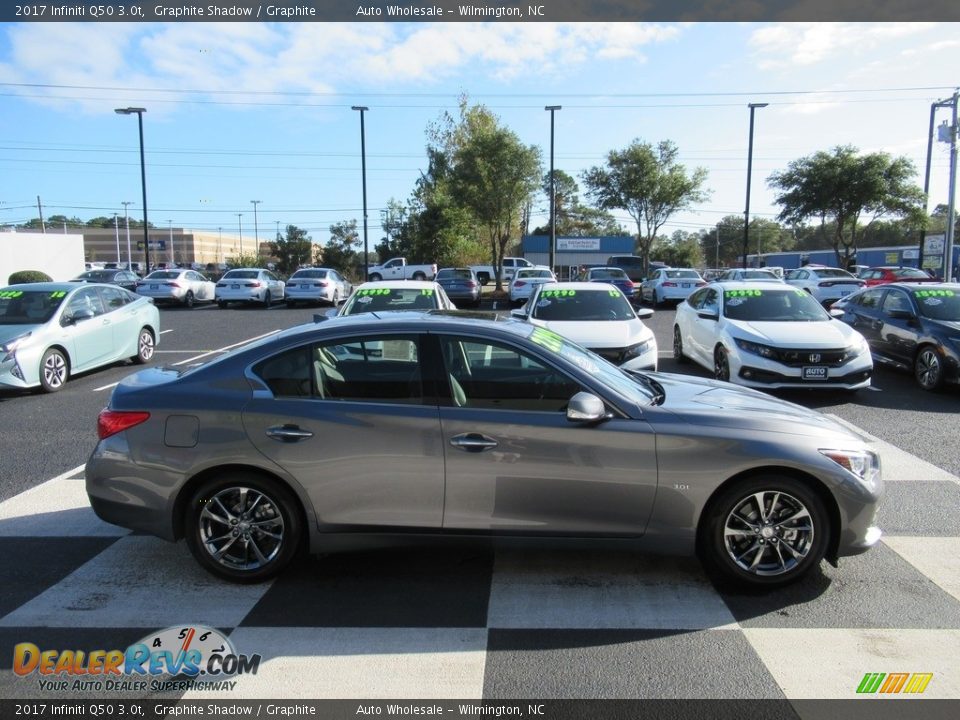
43 228
116 232
256 230
553 192
717 263
240 232
746 212
126 221
952 200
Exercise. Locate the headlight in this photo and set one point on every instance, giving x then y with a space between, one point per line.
10 346
637 350
757 349
862 463
857 346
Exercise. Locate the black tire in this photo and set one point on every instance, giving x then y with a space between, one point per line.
188 299
678 346
743 546
290 303
214 512
54 371
419 276
721 364
336 298
375 277
146 345
267 300
222 304
928 368
483 279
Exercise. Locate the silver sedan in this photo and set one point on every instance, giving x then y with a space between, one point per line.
378 426
177 287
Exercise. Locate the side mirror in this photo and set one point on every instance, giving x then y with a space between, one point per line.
644 313
519 313
78 316
836 313
900 314
585 407
708 315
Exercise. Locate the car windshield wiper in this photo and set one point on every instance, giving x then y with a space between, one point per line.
659 394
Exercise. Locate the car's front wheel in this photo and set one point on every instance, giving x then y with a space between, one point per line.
721 364
678 345
764 531
266 299
188 299
928 368
244 527
54 370
146 345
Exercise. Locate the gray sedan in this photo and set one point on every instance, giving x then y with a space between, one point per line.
382 427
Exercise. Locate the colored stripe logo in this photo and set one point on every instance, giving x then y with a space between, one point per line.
894 683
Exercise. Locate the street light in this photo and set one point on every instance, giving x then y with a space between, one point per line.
746 212
363 169
553 193
240 232
116 231
126 221
256 230
143 180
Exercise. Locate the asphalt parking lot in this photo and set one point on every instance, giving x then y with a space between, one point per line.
486 623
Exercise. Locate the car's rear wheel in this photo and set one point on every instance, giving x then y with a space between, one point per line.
146 345
678 345
54 370
243 527
721 364
221 304
928 368
764 531
266 299
375 277
419 276
188 299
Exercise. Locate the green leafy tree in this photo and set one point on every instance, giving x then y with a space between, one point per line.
574 219
841 187
493 176
342 251
292 249
648 183
681 249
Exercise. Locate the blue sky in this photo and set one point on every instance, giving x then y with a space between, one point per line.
239 112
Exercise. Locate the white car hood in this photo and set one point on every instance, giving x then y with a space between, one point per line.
600 334
825 334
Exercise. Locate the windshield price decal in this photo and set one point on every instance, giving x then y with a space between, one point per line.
934 293
428 292
558 293
742 293
10 293
374 291
58 294
547 338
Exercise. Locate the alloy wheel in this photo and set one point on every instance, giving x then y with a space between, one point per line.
768 533
241 528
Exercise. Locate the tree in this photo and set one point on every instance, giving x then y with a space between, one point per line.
492 175
341 251
649 184
840 187
574 219
681 249
293 249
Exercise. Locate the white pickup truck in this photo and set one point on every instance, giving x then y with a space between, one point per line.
510 266
397 269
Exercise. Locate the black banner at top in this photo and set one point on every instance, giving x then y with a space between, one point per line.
479 10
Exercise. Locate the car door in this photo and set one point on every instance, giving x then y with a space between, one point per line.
347 418
124 321
702 334
515 464
89 327
864 317
900 331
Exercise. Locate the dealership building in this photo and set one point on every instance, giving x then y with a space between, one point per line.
572 252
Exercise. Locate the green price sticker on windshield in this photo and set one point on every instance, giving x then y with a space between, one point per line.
742 293
58 294
427 292
547 338
374 291
10 293
934 293
558 293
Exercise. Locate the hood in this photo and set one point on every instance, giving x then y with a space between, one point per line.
698 400
813 335
9 332
604 334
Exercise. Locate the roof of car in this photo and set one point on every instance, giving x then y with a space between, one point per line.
398 284
578 285
55 286
753 285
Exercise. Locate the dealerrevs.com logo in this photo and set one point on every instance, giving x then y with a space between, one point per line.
894 683
197 656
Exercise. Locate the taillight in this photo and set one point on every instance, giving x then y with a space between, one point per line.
471 283
518 283
253 284
322 284
629 284
173 284
701 283
110 422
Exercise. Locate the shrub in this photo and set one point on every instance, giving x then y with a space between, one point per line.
28 276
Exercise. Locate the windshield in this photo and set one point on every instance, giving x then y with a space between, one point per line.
312 274
772 306
582 305
910 273
241 275
381 299
832 273
98 275
758 275
939 304
607 274
534 274
163 275
636 389
29 307
682 274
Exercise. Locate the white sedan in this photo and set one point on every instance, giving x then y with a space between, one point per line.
386 295
177 287
250 285
826 284
597 316
526 281
765 335
670 284
311 285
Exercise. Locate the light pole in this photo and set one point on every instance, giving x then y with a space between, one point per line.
240 232
256 230
746 212
219 245
116 232
553 193
126 221
363 169
173 255
143 180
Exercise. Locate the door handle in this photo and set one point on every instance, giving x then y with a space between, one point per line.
473 442
288 433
